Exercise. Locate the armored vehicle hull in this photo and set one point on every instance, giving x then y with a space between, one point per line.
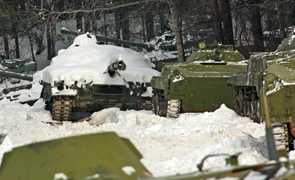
271 75
92 99
88 77
93 157
90 156
199 84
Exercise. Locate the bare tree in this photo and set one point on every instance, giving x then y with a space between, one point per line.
178 28
217 25
254 9
281 16
227 22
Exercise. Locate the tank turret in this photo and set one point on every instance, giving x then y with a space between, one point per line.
148 47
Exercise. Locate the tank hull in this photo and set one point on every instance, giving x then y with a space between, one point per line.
200 94
196 87
267 89
91 99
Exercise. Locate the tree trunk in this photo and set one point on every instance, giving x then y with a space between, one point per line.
15 33
31 45
105 26
143 28
292 16
178 29
94 22
281 20
6 46
256 29
17 55
227 22
125 26
149 21
118 25
79 16
50 30
87 17
79 22
53 38
217 21
162 23
49 41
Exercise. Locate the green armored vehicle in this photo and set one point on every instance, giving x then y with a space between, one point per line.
273 75
199 84
82 157
15 65
88 77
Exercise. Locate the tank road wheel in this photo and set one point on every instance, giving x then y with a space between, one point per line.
173 108
281 137
61 108
159 103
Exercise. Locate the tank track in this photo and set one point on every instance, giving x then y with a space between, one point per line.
61 108
147 105
173 108
280 132
247 103
159 103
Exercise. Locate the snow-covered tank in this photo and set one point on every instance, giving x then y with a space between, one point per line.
88 77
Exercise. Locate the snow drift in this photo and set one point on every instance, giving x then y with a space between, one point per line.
168 146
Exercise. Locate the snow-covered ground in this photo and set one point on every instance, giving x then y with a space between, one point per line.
168 146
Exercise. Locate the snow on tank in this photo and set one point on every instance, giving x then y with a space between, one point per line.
86 62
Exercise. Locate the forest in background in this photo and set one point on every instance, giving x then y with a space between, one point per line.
250 25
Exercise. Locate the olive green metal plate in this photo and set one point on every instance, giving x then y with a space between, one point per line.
225 55
78 157
199 94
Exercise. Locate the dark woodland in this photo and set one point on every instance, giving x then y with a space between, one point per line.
250 25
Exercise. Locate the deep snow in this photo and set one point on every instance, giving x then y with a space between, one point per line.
168 146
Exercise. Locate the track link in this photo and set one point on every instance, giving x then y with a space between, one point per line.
173 108
62 108
247 103
159 103
280 132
